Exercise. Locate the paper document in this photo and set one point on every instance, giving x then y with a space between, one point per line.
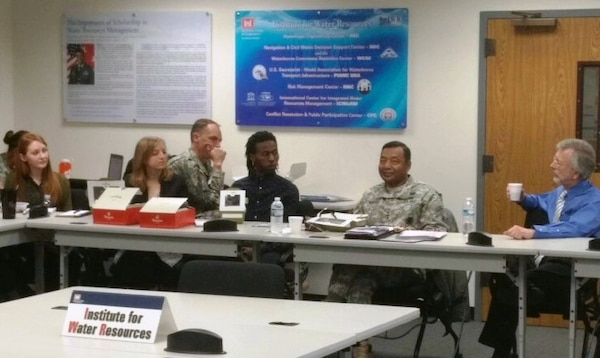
163 205
74 213
415 236
338 221
324 198
115 198
199 222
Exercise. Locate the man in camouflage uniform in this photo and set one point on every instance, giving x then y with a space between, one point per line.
201 166
80 73
398 201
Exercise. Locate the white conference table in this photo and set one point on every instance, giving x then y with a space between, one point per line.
14 232
320 247
32 328
450 253
11 231
585 263
82 232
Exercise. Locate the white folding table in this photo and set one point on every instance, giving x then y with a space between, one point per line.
32 328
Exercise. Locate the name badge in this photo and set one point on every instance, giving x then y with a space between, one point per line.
118 316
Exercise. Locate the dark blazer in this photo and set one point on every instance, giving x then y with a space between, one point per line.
174 188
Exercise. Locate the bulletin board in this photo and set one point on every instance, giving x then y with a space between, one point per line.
322 68
142 67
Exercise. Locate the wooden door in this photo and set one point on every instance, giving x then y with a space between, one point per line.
531 95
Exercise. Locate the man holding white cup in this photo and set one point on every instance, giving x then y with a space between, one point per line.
572 209
579 207
515 191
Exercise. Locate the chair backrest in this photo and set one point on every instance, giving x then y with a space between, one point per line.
232 278
306 208
79 199
78 183
536 217
449 220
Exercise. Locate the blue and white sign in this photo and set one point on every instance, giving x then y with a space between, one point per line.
118 316
322 68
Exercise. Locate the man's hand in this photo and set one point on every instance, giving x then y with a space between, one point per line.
520 233
508 195
217 156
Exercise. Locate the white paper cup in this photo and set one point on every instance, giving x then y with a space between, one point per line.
295 224
514 189
21 206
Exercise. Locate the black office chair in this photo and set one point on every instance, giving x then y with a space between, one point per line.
86 265
79 199
232 278
282 254
307 210
78 183
442 296
588 304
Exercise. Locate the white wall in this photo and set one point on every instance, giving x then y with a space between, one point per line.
6 73
442 111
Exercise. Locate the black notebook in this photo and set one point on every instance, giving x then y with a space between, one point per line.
368 232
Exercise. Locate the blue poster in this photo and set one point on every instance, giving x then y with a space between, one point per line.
322 68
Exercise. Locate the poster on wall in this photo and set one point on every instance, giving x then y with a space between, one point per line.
322 68
143 67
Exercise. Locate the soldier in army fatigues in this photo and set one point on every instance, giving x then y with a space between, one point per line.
398 201
201 167
80 73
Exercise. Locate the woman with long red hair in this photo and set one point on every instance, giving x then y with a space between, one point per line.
37 184
33 176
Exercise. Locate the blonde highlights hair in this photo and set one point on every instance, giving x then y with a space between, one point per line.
144 149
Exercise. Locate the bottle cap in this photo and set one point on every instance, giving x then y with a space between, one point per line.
277 198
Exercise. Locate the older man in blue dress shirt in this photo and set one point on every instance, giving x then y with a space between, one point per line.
573 210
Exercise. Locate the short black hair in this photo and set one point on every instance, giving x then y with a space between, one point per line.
199 125
254 139
396 144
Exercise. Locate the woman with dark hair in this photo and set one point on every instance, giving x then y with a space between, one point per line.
13 259
6 159
150 270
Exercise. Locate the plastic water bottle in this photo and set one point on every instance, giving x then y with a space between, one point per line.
276 216
468 216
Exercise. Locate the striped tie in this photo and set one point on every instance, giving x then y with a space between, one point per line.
560 204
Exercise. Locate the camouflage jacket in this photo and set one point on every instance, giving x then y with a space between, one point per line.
203 181
414 205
